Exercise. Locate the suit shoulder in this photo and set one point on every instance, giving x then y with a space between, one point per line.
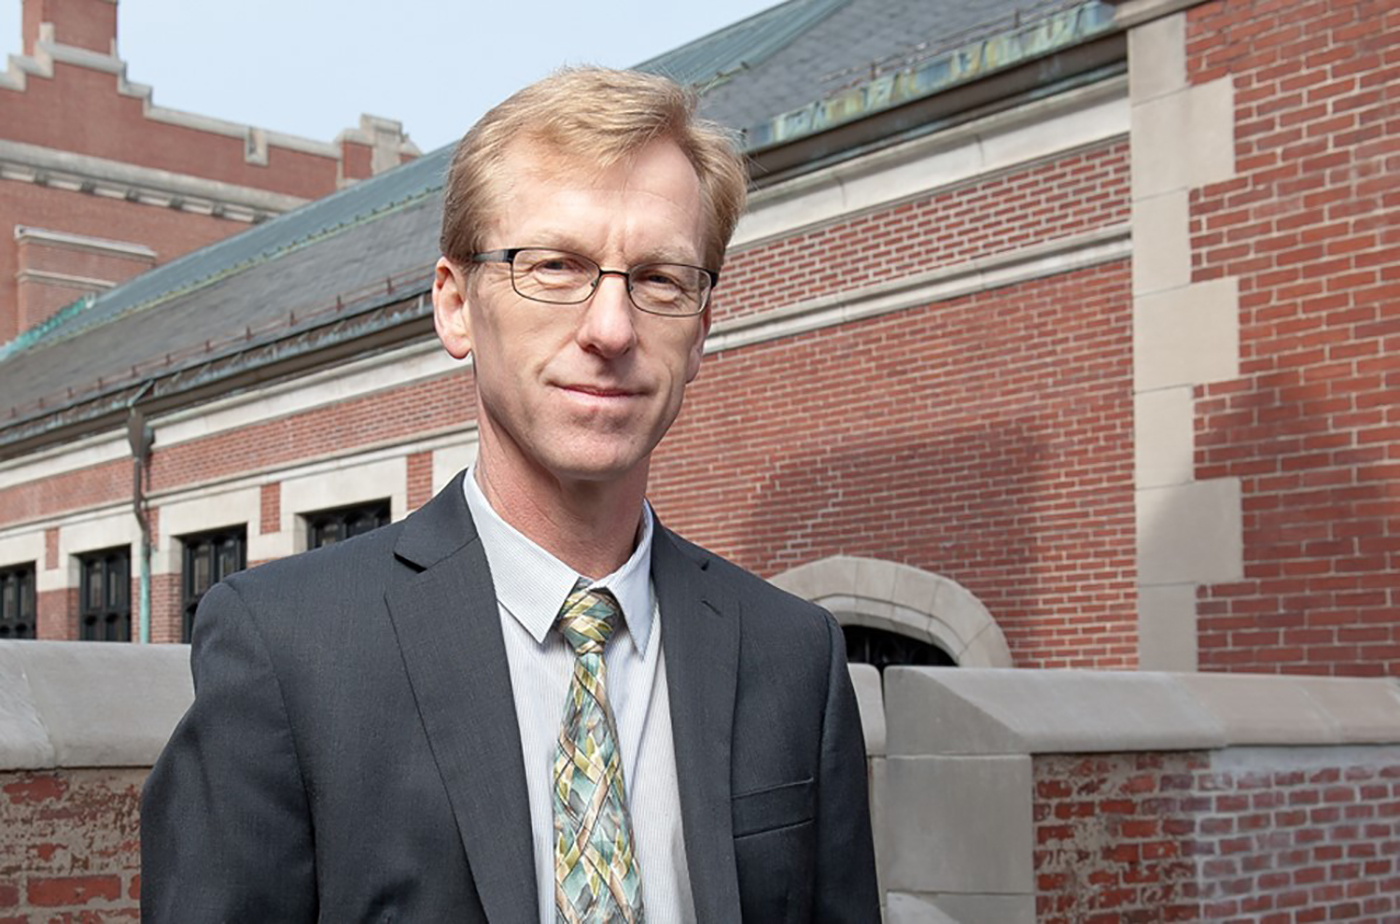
349 567
754 594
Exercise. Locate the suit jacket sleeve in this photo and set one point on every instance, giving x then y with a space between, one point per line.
225 827
846 885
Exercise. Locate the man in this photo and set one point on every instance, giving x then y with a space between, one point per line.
529 701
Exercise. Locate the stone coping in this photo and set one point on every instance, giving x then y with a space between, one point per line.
870 697
100 704
89 704
947 711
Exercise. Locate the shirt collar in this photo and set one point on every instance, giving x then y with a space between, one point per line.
532 584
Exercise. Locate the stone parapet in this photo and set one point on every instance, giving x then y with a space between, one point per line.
1019 796
89 704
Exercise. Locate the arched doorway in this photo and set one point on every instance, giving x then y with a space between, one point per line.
899 614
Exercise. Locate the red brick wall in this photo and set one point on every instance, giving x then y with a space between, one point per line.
168 232
420 479
1123 838
167 608
100 122
1068 195
90 24
987 439
270 508
1312 426
69 845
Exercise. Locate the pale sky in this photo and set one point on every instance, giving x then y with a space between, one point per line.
310 67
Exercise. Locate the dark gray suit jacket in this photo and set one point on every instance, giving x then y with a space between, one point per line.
352 752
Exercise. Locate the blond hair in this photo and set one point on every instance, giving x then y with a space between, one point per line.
595 116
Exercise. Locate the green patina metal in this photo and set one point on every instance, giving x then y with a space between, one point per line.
1059 30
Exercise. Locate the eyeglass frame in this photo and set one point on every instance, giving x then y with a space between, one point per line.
507 256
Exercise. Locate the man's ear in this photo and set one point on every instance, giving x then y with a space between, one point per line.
450 316
697 350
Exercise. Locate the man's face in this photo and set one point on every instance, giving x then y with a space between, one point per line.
580 392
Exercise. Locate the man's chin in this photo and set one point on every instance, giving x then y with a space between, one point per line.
600 466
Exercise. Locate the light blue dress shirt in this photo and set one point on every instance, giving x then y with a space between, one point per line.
531 586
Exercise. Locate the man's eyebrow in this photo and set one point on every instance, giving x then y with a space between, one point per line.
564 240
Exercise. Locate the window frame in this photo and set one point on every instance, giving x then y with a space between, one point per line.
216 542
112 613
372 514
15 622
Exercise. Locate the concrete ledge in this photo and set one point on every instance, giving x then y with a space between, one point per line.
89 704
870 698
987 712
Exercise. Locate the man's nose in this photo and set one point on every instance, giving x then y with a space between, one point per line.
608 325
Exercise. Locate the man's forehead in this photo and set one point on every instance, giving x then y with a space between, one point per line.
531 158
527 166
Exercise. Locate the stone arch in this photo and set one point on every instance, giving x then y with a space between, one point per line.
903 599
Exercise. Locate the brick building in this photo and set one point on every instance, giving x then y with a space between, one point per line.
98 184
1055 336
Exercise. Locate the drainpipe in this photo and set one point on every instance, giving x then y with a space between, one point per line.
140 435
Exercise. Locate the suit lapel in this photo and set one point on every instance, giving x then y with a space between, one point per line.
449 632
700 637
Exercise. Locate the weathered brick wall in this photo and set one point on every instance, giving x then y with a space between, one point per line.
1270 835
69 845
1308 228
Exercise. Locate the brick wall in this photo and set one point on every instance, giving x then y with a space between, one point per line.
1308 228
1066 195
986 439
170 233
1267 835
69 845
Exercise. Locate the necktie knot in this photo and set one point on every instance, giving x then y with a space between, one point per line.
589 618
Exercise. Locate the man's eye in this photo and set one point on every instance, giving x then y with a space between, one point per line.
657 278
556 265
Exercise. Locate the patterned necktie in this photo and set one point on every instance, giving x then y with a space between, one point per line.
596 875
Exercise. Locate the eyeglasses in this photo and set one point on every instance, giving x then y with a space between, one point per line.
562 278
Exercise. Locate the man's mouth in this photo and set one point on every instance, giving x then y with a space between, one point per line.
600 391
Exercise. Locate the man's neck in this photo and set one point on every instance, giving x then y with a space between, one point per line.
589 526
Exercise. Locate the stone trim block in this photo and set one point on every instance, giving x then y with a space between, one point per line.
1184 139
1157 58
1187 336
1163 437
1190 533
1161 242
1167 628
965 824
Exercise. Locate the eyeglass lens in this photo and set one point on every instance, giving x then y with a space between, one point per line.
563 278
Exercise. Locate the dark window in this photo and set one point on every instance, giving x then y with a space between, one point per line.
104 596
17 601
209 558
867 645
328 526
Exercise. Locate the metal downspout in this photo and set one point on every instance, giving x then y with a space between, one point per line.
140 435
